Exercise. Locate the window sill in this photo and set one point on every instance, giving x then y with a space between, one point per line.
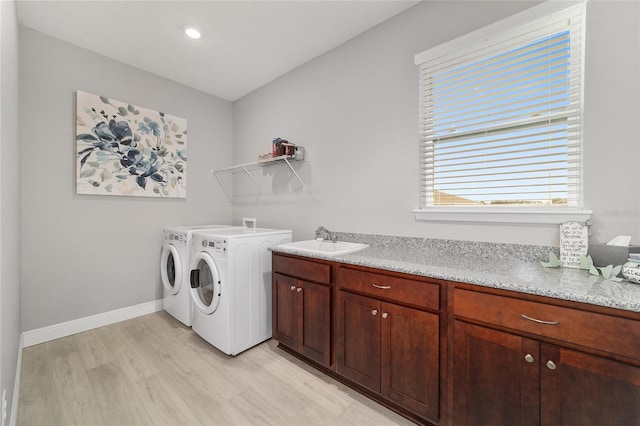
502 214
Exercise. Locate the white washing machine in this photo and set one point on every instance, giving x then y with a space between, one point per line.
230 279
174 269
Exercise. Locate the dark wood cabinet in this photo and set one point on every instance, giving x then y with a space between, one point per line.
493 383
580 389
410 359
389 348
314 331
302 310
458 354
508 377
285 310
358 342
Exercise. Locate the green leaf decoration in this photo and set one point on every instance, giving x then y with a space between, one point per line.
553 262
616 271
606 271
586 262
611 273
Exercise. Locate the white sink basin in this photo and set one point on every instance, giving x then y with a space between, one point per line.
326 248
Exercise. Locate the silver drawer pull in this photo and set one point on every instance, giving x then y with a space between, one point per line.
374 312
529 358
382 287
293 287
551 365
539 321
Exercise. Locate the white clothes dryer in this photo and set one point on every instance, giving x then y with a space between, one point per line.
174 270
230 279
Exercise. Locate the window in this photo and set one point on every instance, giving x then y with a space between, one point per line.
500 115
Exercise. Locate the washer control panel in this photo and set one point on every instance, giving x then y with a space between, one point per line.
175 238
216 245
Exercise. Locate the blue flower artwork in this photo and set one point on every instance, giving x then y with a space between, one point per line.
124 149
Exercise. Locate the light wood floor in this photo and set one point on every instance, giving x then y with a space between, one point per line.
153 370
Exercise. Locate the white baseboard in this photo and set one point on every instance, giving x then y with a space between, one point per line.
16 384
52 332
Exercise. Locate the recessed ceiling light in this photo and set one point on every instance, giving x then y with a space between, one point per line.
191 32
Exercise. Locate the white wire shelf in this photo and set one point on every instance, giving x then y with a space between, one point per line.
247 168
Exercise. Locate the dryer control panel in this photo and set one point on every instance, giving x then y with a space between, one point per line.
216 245
175 238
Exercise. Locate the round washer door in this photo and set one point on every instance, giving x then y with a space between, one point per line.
171 268
205 283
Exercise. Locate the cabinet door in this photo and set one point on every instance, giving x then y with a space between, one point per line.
585 390
410 359
358 339
314 340
495 378
285 310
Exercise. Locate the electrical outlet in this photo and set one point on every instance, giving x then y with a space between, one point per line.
4 407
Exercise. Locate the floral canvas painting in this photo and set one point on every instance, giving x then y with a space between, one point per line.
124 149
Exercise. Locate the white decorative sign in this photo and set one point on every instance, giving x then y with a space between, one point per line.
574 243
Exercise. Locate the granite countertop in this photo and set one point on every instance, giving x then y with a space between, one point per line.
502 266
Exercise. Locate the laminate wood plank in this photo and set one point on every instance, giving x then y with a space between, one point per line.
322 393
362 412
73 391
163 326
153 343
37 390
205 406
165 404
154 370
110 340
60 347
260 411
118 402
92 350
209 371
130 356
223 414
273 390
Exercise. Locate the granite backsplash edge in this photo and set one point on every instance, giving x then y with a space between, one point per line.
487 250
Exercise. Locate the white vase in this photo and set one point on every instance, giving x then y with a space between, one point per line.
631 271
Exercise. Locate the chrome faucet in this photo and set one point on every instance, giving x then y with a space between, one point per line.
323 233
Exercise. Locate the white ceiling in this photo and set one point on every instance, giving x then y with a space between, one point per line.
244 44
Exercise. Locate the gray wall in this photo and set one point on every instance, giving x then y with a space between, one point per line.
84 255
355 111
9 201
611 112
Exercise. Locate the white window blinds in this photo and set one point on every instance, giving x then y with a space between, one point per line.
500 118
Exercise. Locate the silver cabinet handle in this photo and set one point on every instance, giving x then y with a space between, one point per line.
529 358
551 365
299 289
385 315
382 287
374 312
293 287
539 321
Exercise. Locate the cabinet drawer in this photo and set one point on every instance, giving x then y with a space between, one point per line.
411 292
303 269
598 331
